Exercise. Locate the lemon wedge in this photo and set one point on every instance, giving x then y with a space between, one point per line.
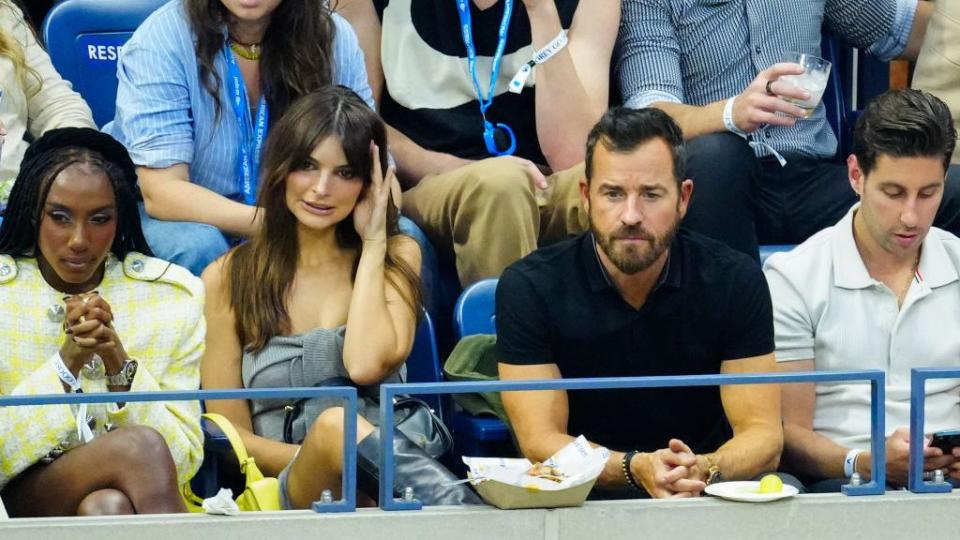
770 483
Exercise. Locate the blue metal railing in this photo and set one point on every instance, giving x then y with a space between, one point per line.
918 380
388 392
348 501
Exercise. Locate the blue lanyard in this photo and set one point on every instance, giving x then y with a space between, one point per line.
466 27
251 136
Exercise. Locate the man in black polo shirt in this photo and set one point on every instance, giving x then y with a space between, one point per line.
636 297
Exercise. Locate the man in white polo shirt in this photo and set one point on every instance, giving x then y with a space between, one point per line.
875 291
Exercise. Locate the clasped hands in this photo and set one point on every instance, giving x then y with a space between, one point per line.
674 471
88 326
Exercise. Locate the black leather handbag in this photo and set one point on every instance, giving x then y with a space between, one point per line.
412 416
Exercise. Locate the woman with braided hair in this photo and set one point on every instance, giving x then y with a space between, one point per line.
89 310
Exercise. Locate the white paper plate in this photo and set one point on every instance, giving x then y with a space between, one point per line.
747 492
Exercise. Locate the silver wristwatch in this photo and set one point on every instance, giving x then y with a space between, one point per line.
125 376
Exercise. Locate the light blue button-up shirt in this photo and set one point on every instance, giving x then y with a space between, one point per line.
702 51
164 114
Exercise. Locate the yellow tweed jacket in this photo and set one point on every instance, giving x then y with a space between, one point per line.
158 314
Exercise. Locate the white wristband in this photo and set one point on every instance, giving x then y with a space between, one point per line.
731 126
84 433
850 461
65 375
728 119
539 57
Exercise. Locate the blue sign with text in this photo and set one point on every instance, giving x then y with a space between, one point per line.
97 55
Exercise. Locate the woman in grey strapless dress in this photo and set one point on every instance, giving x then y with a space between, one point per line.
326 292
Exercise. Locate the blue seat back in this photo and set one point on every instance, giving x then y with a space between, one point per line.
84 38
833 97
855 80
423 364
475 311
768 250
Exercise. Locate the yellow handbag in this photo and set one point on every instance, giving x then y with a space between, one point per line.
260 492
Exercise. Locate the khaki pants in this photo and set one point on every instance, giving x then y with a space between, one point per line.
938 67
487 215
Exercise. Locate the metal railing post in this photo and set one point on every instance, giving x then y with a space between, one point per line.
918 380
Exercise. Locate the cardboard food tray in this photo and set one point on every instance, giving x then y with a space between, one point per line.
510 497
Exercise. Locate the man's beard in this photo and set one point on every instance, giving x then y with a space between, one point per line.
632 259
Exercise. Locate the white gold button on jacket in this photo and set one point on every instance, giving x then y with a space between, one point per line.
56 312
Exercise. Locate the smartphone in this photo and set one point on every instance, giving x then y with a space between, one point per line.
946 440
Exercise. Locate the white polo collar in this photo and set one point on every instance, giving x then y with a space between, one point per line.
849 272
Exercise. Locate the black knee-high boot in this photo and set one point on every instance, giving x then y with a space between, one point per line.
428 478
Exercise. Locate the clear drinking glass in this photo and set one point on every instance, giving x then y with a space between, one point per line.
813 79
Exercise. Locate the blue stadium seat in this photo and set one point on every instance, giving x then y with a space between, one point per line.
423 364
429 265
220 467
766 251
84 38
474 313
855 80
833 97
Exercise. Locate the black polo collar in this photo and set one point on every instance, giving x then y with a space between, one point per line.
599 279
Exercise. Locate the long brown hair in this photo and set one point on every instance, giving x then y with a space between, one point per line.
262 271
297 47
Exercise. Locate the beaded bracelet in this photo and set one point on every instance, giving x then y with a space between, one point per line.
625 467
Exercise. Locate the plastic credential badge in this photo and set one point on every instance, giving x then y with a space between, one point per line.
563 480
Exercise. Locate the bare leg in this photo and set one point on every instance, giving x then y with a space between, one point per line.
133 461
318 465
105 502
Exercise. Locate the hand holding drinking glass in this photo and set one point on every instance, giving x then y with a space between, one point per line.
764 101
813 80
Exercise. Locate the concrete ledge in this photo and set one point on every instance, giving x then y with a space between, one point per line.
895 515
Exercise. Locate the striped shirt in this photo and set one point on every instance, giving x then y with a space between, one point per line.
702 51
164 114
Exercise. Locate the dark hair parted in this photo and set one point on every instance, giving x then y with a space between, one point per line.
904 123
297 47
261 272
622 129
50 155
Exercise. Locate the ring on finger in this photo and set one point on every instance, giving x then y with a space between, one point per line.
769 89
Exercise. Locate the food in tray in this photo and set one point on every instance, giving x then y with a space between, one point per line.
547 472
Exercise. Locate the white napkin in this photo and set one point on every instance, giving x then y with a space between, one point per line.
3 511
221 504
579 462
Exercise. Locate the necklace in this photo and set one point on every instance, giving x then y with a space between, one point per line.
250 51
913 275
